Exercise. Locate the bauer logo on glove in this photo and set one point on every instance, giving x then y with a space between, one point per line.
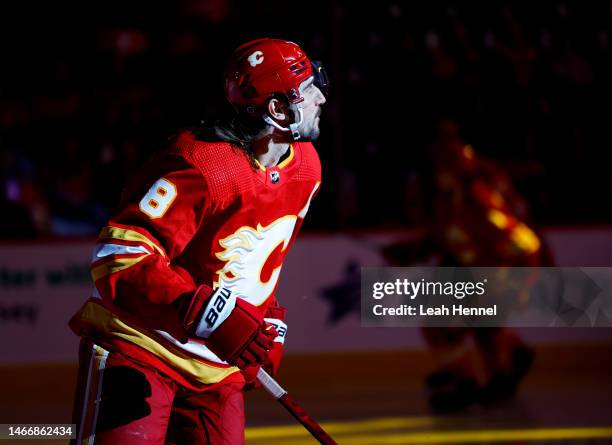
218 310
281 329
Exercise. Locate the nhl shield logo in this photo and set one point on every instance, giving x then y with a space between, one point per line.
274 176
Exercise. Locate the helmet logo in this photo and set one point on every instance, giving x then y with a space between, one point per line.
256 58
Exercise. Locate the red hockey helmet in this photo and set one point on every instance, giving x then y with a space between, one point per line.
260 68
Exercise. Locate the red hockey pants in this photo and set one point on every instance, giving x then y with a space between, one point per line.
121 401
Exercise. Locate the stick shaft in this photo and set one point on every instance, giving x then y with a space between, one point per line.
308 422
294 408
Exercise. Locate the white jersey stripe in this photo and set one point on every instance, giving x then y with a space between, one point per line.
104 250
193 347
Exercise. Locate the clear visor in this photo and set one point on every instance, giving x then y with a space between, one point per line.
321 80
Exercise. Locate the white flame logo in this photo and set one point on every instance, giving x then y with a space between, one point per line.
246 252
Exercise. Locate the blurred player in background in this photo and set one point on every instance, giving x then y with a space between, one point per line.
184 310
479 220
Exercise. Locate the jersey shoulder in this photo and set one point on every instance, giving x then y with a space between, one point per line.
310 166
226 169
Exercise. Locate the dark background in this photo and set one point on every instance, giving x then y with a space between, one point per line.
89 91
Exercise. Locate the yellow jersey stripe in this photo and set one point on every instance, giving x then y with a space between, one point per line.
114 265
289 158
128 235
100 318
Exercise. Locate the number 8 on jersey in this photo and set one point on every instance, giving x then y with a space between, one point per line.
158 199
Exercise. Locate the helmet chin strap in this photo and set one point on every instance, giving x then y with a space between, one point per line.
294 127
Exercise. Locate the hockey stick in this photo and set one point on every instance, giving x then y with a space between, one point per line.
296 410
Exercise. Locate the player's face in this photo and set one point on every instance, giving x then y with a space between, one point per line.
313 99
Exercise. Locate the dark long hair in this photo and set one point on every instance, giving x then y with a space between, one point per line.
238 130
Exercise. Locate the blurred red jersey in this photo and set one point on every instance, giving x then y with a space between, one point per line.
199 213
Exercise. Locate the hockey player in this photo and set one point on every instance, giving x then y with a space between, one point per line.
479 219
184 310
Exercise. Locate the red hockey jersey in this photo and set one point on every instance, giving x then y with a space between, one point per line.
198 213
